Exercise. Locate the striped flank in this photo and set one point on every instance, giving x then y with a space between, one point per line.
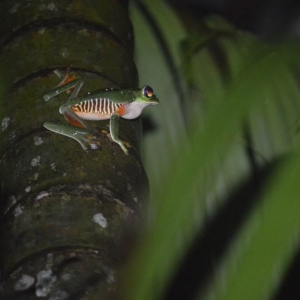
97 105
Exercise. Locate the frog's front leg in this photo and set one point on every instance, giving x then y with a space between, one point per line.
114 131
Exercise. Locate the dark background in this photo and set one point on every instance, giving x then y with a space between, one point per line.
268 19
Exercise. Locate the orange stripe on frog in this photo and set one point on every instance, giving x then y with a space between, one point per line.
121 111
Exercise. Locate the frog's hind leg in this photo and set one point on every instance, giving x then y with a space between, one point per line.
72 118
82 135
67 111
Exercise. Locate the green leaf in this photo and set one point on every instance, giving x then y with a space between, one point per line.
233 80
259 257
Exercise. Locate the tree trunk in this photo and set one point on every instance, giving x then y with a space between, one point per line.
64 211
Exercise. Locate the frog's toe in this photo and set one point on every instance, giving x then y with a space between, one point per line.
92 142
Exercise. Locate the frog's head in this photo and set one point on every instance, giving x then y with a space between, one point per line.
143 98
146 96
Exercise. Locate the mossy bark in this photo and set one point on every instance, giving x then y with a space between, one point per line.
64 211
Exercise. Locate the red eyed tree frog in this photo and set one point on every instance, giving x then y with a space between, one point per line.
99 105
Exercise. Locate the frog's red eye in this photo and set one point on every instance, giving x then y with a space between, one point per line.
148 91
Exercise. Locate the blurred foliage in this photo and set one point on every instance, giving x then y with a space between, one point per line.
223 160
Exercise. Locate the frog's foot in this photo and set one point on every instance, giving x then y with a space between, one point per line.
121 145
65 78
92 142
89 142
118 141
127 144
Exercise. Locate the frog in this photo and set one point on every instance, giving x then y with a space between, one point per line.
105 104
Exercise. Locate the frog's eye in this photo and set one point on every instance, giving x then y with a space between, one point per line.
148 91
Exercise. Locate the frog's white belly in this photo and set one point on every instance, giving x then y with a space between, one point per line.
96 116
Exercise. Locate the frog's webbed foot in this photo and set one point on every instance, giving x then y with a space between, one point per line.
64 78
114 131
84 136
